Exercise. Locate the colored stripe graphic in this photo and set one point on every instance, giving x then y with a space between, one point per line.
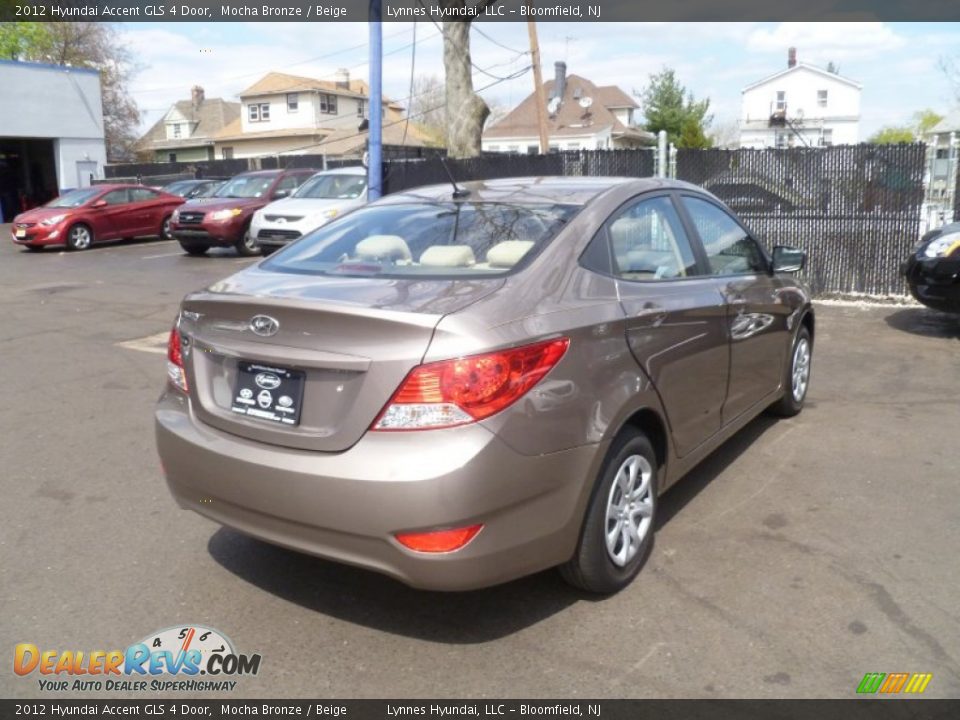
892 683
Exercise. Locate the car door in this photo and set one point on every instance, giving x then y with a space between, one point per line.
110 220
675 322
146 211
756 317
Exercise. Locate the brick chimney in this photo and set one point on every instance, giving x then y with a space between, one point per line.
560 79
196 96
791 57
343 78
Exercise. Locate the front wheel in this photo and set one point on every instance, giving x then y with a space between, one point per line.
79 237
247 245
165 229
796 379
617 534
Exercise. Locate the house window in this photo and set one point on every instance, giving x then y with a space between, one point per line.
780 140
781 101
171 157
361 108
293 102
226 153
513 148
328 104
822 98
826 139
258 112
493 148
573 146
176 130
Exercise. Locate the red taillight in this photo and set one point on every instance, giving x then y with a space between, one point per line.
456 392
439 541
175 369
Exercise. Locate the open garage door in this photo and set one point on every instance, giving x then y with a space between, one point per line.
28 174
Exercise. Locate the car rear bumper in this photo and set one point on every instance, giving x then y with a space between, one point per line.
935 282
347 506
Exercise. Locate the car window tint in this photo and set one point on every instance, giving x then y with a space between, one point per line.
648 242
290 182
116 197
141 194
730 250
435 239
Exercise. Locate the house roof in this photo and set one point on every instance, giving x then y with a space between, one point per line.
950 123
206 121
340 141
274 83
571 120
803 66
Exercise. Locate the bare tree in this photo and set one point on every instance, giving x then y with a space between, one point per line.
726 135
466 111
427 107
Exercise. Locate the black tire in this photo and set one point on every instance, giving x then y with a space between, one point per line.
194 248
74 241
592 568
266 250
165 233
790 404
247 245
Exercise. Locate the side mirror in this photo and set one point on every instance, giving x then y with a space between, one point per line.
99 204
788 259
280 194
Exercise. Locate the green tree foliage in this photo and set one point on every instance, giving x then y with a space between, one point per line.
923 122
92 45
667 105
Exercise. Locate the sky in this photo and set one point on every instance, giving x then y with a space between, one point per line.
898 64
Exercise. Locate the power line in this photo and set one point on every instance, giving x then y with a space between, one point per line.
496 42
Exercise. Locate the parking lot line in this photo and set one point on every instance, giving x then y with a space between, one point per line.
154 257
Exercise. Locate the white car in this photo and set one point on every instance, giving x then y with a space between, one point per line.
319 200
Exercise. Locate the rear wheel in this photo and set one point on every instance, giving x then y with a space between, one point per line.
247 244
796 379
192 248
79 237
617 534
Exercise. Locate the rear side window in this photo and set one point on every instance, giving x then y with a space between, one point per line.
643 241
141 194
730 249
431 239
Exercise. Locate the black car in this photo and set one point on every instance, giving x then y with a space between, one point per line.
933 270
190 189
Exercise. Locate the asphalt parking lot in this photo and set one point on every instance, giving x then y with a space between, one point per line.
803 554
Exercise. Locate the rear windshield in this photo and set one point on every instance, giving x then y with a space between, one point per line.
434 239
246 186
74 198
332 187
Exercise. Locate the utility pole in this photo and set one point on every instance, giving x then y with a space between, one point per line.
538 84
375 106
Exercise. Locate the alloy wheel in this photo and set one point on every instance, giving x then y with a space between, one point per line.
629 509
80 237
801 369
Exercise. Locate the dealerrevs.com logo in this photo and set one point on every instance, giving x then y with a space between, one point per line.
187 658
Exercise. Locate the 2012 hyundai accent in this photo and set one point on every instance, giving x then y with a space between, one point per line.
461 386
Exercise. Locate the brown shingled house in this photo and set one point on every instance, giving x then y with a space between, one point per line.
580 116
185 133
288 114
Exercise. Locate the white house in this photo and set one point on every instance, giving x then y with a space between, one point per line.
51 133
185 133
290 115
580 116
800 106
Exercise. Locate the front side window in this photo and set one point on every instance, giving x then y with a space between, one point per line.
645 241
438 240
730 249
116 197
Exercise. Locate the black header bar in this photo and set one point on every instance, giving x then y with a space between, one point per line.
480 10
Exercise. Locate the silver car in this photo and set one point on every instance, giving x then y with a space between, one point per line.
319 200
457 387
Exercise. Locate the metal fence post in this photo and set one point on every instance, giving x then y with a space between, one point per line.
662 153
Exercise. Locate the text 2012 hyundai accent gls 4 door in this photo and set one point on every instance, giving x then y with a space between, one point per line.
457 391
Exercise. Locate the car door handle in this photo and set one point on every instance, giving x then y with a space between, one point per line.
652 313
737 300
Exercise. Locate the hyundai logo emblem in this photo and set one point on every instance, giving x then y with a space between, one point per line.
264 325
268 381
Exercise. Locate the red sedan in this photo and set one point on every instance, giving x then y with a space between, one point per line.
82 217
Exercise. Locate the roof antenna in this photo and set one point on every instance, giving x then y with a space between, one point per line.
458 192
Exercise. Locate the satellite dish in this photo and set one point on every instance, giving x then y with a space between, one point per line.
553 105
586 102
